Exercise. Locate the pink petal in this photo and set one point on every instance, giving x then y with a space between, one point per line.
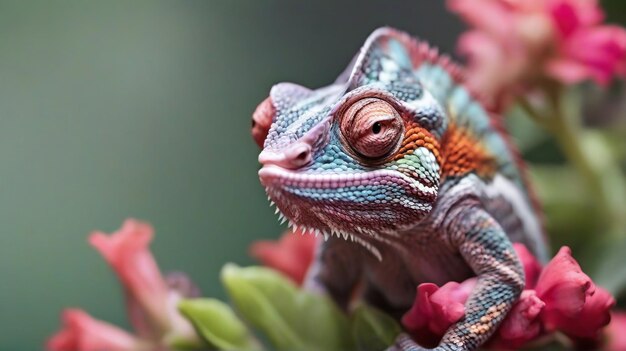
127 252
605 51
565 17
532 267
570 15
616 332
292 254
485 62
83 333
586 50
436 309
594 316
569 71
521 325
573 304
563 287
491 17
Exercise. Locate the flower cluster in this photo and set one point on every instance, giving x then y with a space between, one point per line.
151 300
558 297
520 43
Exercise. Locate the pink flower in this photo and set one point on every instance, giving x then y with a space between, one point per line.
83 333
292 254
151 303
127 252
587 49
435 309
564 288
521 325
616 332
151 299
532 267
574 305
564 299
519 43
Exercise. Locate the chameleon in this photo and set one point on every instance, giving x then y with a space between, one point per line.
410 177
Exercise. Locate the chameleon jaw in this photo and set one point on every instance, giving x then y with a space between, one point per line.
327 233
278 182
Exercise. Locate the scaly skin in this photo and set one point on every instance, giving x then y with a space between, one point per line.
409 179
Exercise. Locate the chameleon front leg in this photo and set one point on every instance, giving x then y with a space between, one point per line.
336 271
487 250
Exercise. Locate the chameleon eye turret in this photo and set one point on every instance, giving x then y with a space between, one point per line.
372 128
262 120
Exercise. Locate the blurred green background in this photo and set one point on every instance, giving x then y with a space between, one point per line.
142 109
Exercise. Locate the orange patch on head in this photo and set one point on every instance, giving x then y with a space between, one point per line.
463 154
415 137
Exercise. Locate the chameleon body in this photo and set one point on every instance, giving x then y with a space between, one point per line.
409 179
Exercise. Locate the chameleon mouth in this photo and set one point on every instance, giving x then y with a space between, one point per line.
327 232
304 217
272 175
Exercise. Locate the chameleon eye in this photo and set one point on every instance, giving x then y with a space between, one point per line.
372 127
262 120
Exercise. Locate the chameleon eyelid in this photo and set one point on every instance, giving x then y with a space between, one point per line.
356 133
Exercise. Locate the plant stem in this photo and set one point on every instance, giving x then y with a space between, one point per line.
604 180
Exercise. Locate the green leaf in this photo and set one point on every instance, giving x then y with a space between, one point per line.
216 322
372 329
291 318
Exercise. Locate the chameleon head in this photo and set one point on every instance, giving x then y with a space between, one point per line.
360 156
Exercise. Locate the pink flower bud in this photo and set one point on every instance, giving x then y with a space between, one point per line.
616 332
151 302
573 303
521 325
595 315
532 267
563 287
83 333
291 255
436 309
128 254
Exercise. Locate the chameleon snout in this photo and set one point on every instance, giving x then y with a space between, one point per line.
291 157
